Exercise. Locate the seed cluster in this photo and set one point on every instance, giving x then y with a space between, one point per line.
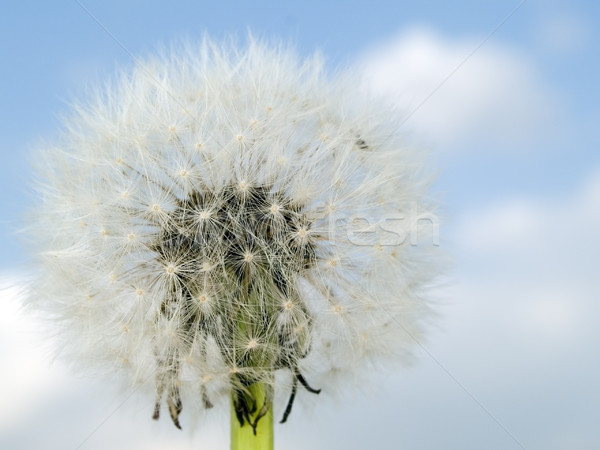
234 257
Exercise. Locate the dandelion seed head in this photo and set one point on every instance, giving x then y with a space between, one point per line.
193 213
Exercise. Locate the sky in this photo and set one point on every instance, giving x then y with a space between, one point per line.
502 93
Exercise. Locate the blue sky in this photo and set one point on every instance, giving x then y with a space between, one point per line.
513 133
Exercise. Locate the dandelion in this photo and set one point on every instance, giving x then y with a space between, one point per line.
193 230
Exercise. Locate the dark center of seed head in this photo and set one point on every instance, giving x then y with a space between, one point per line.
253 224
255 241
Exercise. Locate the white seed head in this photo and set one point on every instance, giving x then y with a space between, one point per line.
222 182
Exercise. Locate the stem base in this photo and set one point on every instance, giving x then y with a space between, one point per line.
243 437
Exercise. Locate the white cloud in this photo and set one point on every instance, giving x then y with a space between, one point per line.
27 380
558 233
522 331
496 98
514 222
563 32
537 260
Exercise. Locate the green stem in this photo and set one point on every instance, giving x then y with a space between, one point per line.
243 437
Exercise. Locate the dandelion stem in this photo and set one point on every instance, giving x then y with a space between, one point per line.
258 434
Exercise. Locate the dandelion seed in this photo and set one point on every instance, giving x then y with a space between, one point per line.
274 209
204 215
234 248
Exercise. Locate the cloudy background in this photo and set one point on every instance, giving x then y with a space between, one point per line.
512 118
